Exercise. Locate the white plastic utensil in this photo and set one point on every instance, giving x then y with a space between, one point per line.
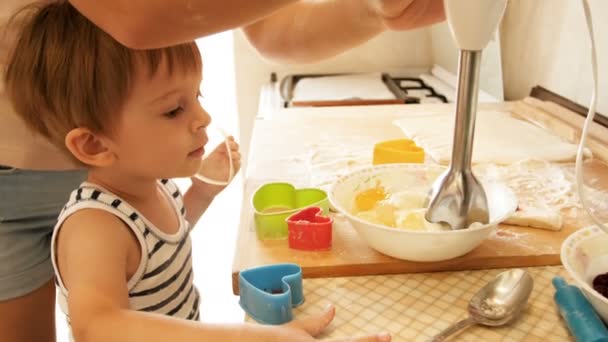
211 181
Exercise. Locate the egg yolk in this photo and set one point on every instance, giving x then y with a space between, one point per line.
367 199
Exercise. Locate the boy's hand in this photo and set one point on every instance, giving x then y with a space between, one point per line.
217 167
306 329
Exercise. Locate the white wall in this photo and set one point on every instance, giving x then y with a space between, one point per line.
390 50
218 87
544 42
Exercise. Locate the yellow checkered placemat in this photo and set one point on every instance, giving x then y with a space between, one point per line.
415 307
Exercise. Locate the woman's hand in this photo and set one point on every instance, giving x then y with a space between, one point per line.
408 14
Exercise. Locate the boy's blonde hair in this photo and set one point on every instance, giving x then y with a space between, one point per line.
64 72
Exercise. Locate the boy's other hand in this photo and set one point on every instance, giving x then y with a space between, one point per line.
217 167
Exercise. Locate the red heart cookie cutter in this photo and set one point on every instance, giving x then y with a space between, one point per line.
309 230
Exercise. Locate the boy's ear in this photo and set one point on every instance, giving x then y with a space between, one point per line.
89 148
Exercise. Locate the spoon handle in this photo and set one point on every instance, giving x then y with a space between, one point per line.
453 329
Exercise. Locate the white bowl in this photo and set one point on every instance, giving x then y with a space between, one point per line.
409 244
584 254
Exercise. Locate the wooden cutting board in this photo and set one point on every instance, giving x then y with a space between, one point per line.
277 153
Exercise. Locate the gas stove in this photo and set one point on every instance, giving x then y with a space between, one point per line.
395 87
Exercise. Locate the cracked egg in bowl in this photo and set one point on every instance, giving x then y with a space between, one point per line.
385 205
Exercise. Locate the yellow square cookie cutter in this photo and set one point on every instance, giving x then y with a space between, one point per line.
397 151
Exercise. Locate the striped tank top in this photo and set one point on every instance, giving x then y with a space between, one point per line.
163 282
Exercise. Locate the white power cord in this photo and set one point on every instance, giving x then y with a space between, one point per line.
580 185
230 167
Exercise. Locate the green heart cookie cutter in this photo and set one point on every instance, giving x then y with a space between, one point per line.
273 203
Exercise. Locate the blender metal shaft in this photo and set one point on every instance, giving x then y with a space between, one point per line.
466 109
457 197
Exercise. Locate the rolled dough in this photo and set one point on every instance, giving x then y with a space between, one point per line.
542 190
500 138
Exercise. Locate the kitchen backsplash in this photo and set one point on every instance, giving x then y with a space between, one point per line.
545 42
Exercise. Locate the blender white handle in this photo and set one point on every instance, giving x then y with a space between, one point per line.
473 22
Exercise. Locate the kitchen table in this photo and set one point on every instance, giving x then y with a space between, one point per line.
411 306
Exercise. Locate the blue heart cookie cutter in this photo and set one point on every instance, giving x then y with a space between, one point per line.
268 293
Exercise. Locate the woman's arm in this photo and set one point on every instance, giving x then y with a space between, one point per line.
144 24
309 31
286 30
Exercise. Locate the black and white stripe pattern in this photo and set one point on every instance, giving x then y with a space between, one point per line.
164 281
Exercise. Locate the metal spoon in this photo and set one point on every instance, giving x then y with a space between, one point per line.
457 197
497 303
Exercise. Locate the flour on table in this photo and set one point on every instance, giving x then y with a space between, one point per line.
500 138
328 160
543 190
